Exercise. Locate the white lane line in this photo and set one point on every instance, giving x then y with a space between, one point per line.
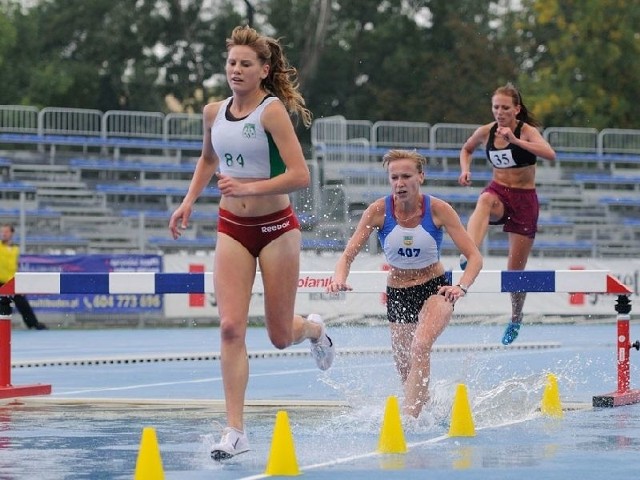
352 458
204 380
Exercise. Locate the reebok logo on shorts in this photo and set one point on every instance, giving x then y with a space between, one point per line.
275 228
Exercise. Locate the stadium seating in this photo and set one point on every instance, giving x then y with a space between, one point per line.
110 183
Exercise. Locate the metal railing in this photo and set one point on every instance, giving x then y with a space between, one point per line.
18 119
450 135
69 121
401 134
328 131
128 124
616 140
183 126
572 139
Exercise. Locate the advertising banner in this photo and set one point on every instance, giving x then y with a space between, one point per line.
93 303
361 306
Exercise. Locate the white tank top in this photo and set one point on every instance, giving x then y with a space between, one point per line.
244 148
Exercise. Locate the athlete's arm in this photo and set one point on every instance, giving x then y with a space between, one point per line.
371 219
466 153
445 216
531 139
206 166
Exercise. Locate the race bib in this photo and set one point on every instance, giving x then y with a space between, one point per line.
502 158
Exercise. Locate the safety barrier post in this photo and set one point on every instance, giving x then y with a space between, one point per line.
622 396
6 389
5 349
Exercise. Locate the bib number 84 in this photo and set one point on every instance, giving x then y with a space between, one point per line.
229 160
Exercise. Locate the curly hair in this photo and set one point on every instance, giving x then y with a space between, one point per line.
282 80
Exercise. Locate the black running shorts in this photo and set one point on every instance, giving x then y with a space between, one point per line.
404 304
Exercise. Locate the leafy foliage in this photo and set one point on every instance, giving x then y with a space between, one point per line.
422 60
581 61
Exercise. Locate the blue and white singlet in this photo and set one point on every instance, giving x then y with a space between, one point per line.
410 248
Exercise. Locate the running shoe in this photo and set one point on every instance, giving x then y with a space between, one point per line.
233 442
511 333
322 350
463 262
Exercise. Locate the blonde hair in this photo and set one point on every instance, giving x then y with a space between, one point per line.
282 79
398 154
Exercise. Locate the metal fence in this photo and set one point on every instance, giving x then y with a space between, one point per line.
130 124
571 139
18 119
182 126
326 133
401 134
615 140
450 135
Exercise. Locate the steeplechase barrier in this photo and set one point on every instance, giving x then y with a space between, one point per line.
7 390
488 281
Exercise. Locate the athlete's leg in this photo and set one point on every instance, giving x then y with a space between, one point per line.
280 270
402 335
519 250
488 208
434 317
234 273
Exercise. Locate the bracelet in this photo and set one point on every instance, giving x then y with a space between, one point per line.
463 287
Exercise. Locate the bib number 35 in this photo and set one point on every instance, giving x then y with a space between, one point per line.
502 158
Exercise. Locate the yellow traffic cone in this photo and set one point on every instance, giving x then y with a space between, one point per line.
391 433
461 418
149 462
551 405
282 458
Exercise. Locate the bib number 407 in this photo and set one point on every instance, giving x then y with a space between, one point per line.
409 252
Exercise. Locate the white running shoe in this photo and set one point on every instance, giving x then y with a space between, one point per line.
233 442
322 350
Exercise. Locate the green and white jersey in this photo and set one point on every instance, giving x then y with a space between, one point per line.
244 148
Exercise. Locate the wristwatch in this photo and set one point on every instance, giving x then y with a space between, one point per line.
463 287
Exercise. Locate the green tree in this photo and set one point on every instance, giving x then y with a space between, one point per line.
580 61
73 53
190 50
467 60
8 34
16 53
394 60
116 54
